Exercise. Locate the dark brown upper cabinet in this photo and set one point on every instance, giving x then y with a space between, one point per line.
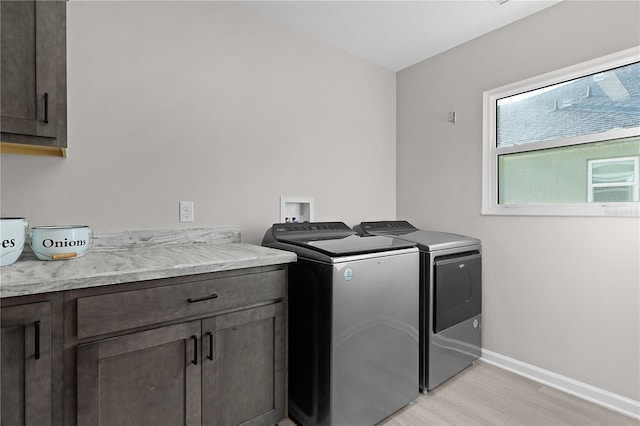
33 78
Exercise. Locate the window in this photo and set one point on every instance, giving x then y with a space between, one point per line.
566 143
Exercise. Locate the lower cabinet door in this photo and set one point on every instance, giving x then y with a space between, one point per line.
243 367
151 377
25 365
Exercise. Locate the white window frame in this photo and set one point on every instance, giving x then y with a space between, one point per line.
491 152
634 184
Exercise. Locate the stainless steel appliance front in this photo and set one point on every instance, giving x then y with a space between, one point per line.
353 324
374 348
450 298
454 325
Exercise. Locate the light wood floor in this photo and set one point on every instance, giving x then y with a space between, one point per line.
487 395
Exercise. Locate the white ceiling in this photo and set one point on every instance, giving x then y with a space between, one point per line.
396 34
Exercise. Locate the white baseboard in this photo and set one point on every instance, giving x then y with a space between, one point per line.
582 390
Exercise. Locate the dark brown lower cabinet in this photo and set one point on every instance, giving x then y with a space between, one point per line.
143 378
26 395
243 367
222 370
206 349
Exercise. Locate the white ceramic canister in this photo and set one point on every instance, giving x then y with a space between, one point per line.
60 242
12 235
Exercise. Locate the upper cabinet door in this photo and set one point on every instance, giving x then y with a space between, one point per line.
33 78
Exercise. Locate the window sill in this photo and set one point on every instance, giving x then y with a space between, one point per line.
631 210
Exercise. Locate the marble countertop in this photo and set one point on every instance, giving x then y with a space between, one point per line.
127 256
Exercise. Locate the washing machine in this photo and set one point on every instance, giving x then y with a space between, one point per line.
450 298
352 323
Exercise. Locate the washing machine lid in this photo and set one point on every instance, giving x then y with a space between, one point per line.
426 240
333 239
352 245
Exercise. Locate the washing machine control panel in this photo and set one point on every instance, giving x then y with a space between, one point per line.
309 230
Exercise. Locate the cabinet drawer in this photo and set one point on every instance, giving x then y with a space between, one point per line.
108 313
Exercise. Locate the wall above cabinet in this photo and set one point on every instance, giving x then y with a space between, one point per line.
33 79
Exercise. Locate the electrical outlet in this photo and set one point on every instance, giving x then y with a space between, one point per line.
186 211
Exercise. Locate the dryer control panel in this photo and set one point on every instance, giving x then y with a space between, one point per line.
392 227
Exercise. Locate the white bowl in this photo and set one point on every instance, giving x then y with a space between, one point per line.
60 242
12 234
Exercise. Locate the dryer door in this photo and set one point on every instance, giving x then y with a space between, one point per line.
457 289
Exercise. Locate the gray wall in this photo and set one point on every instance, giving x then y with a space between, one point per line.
207 102
559 293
